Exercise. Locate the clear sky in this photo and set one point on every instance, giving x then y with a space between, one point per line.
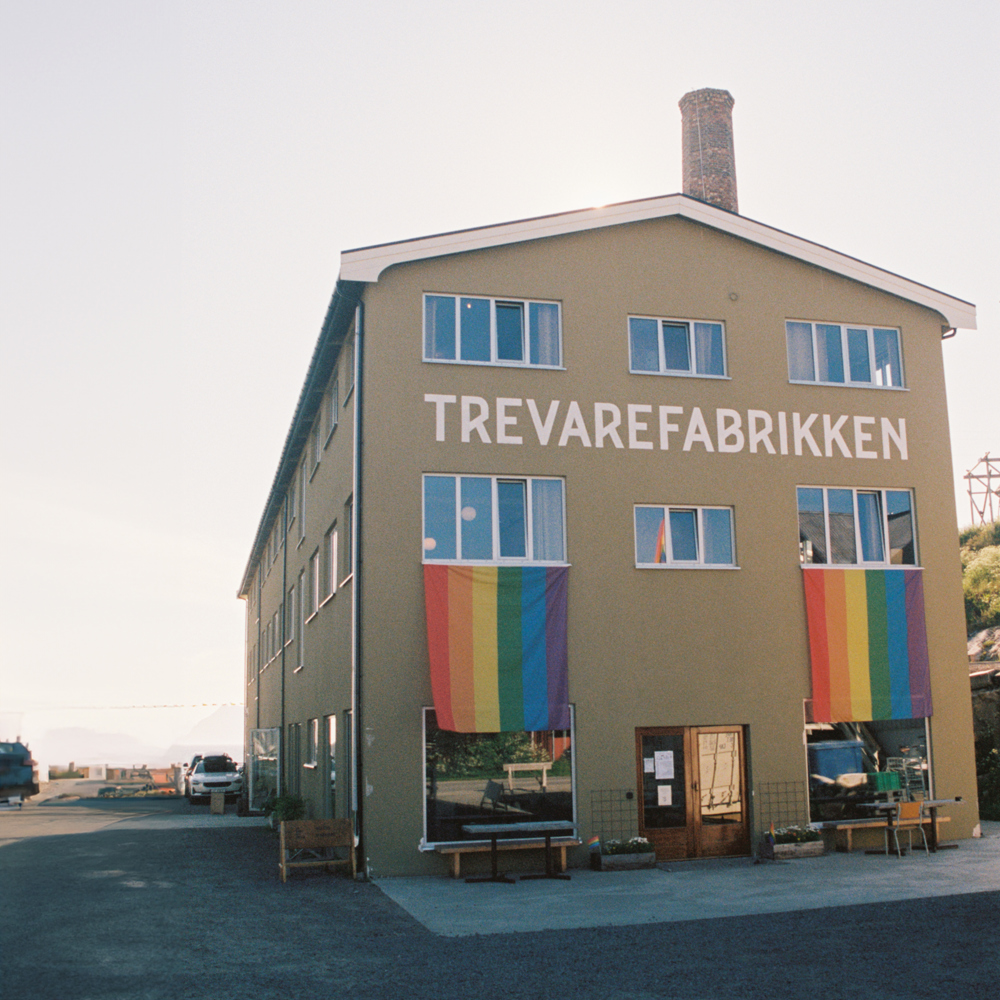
178 179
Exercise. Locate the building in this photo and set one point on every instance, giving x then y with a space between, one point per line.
652 494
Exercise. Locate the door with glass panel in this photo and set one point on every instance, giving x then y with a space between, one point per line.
692 791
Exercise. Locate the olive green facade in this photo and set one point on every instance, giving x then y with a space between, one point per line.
648 647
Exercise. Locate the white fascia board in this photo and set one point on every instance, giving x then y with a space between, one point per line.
367 263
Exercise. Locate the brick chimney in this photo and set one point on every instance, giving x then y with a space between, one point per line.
709 162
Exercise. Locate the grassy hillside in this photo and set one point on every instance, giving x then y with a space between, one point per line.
980 548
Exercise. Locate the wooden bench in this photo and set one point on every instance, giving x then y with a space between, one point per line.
527 766
308 843
457 848
844 831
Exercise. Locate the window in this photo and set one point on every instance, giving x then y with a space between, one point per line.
836 354
312 743
492 331
314 583
854 527
331 408
300 610
292 614
348 539
292 504
684 537
303 476
493 518
454 763
328 568
676 347
330 739
316 442
294 757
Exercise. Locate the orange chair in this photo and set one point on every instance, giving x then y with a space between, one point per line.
906 816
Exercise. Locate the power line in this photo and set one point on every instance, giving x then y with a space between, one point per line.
107 708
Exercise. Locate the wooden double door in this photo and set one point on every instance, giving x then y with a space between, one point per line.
692 785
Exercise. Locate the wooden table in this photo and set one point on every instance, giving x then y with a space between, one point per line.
494 830
932 805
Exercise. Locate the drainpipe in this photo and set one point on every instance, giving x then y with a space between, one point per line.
257 655
357 720
283 748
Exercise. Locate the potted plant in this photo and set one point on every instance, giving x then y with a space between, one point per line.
285 807
791 842
623 855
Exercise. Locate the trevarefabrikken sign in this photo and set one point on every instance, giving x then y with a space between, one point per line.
645 427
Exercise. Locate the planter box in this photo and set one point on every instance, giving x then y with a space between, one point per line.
780 852
624 862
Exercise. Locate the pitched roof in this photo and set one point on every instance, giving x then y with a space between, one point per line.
367 263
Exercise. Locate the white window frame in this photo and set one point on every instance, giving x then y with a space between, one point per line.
426 844
329 566
314 584
678 372
293 500
497 560
348 552
331 408
860 561
312 743
300 654
672 562
292 615
494 361
845 354
303 480
348 353
316 444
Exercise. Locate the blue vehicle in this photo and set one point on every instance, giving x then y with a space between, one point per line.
18 774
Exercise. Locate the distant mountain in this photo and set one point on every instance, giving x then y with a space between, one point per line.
221 732
59 747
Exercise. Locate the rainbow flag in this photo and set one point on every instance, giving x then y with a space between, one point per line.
661 543
496 638
867 644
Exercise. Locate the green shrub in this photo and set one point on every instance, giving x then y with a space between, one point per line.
478 755
285 807
988 773
796 835
981 586
634 845
980 536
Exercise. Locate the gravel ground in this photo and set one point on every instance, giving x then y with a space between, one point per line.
202 913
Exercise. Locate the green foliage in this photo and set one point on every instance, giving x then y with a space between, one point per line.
980 536
988 773
981 586
478 755
980 551
634 845
285 807
796 835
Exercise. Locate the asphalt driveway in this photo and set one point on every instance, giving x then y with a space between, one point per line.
163 904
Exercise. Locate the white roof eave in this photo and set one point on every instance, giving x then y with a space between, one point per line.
367 263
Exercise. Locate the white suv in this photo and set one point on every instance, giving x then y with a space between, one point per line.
214 774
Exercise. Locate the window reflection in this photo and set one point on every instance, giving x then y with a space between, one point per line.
486 778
